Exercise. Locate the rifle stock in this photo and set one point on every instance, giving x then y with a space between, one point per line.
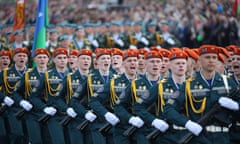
153 135
65 121
82 125
3 108
44 119
20 114
105 129
130 131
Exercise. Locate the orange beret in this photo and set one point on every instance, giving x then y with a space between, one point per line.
20 50
175 49
102 51
231 47
153 54
41 51
74 52
142 51
221 58
58 51
208 49
164 52
178 55
236 51
5 53
85 52
116 51
130 53
191 53
224 52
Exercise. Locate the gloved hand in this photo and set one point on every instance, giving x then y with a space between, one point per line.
228 103
95 43
160 124
90 116
8 101
111 118
136 121
170 41
70 112
26 105
193 127
145 41
120 42
50 111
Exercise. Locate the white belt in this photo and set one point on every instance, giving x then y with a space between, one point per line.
178 127
213 128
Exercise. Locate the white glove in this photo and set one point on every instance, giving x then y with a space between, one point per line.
90 116
160 124
120 42
8 101
228 103
70 112
111 118
170 41
95 43
136 121
50 111
144 40
26 105
193 127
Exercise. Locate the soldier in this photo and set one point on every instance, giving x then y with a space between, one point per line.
198 96
74 93
142 62
164 72
29 81
53 40
46 96
192 61
159 94
95 84
5 59
79 40
19 40
116 62
91 36
9 81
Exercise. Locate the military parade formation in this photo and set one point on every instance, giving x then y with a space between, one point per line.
114 84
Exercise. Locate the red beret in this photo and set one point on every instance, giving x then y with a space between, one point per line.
116 51
178 55
208 49
236 51
221 58
164 52
191 53
58 51
20 50
102 51
5 53
74 52
175 49
153 54
224 52
231 47
142 51
41 51
130 53
85 52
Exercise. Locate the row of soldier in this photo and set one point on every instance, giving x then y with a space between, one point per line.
141 92
93 36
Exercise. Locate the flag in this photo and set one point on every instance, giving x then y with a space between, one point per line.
41 24
236 8
19 16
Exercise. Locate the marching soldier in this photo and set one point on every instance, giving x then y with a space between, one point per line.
73 60
9 80
30 81
46 96
116 62
142 62
5 59
198 96
164 71
158 95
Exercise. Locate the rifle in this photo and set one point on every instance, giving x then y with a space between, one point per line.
3 108
65 121
105 129
82 125
209 115
20 114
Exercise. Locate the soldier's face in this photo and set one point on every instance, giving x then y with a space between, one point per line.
178 67
220 67
20 59
165 65
61 61
116 61
208 61
4 61
72 61
236 64
41 60
153 66
130 65
104 62
84 62
141 62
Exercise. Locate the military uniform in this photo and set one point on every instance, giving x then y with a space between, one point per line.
136 91
197 97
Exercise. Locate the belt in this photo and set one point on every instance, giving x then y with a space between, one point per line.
178 127
213 128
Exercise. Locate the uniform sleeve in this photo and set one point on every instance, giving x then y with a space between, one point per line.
98 102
